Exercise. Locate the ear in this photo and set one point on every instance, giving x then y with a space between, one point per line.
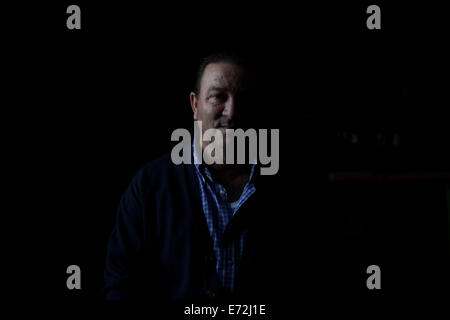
194 104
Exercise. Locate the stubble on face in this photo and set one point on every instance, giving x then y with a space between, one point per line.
222 85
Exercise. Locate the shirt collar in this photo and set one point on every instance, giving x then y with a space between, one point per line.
203 170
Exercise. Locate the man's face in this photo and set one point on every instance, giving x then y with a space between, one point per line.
227 97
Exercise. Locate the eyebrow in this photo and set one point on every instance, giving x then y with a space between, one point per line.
214 88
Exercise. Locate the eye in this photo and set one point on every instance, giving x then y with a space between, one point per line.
247 96
217 98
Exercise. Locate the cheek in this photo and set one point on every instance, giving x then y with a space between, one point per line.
209 112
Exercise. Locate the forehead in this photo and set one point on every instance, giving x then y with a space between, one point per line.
225 75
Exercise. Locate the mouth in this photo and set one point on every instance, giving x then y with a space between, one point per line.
225 127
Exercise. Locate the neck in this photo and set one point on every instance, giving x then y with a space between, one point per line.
229 170
232 177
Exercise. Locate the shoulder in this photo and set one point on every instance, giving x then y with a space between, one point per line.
155 167
153 172
159 173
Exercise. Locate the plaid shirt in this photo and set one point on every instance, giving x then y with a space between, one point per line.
218 213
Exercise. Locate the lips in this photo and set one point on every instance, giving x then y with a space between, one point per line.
226 126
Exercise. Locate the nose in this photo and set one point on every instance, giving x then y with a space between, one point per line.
230 108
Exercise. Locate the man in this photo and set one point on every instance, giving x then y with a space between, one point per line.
197 231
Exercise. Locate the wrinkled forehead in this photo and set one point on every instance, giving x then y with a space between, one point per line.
226 76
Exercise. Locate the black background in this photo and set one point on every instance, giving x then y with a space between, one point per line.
89 107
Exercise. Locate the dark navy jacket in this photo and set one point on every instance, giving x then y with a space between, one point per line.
160 247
